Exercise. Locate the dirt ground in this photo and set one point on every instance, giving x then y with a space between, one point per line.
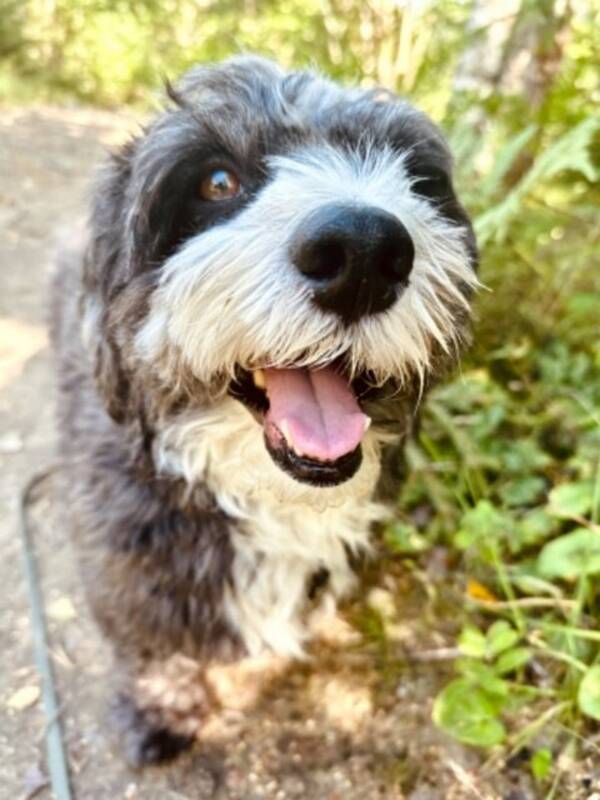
345 725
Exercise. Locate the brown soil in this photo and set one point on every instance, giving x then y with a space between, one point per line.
352 723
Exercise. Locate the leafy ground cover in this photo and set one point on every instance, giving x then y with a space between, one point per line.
505 474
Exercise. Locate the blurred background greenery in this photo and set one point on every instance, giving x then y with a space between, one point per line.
505 474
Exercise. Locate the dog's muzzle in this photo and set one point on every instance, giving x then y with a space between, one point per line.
357 259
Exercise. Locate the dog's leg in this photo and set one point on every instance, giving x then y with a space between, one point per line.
158 709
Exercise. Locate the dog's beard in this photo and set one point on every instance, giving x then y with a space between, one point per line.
230 303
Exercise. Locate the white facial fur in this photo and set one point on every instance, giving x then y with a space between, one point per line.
231 296
286 531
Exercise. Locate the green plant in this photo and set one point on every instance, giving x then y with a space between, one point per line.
509 468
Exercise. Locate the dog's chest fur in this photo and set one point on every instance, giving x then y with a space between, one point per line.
284 532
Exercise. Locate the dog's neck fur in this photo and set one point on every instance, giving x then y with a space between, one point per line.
286 531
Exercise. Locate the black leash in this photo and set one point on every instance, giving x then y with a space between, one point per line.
57 760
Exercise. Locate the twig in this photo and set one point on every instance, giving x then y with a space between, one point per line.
570 630
523 602
556 655
463 777
588 223
437 654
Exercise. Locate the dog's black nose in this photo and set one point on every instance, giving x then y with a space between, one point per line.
356 257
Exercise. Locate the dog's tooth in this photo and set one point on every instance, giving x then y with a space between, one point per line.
258 376
285 429
367 423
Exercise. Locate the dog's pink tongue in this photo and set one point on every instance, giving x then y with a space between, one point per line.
315 410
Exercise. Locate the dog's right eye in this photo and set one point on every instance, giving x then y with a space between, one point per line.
220 184
434 183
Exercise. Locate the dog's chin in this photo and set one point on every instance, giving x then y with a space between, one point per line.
311 471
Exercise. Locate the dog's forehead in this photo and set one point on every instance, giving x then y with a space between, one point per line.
250 103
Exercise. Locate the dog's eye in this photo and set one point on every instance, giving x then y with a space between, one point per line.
434 183
220 184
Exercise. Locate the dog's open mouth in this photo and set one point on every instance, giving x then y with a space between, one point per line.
313 424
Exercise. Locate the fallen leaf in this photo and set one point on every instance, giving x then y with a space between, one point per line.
23 698
477 591
62 609
18 342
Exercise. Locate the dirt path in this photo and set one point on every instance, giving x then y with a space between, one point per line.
349 725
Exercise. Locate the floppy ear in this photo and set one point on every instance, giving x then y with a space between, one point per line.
111 380
104 274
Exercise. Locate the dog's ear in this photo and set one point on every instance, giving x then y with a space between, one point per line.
110 377
104 275
107 258
111 381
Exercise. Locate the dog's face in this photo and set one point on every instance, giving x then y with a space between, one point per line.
292 244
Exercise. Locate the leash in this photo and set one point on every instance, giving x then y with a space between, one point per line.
56 756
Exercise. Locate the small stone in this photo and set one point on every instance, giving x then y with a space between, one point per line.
382 602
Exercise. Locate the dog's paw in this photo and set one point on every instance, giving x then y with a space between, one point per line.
153 746
143 738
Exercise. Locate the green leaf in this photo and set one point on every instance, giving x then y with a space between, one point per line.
523 456
466 713
512 660
569 152
534 527
472 642
504 160
488 420
582 305
402 538
571 499
500 637
572 555
484 676
588 696
522 491
540 764
480 524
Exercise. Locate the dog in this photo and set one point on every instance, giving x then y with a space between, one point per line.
274 273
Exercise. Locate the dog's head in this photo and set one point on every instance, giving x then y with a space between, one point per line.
275 238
